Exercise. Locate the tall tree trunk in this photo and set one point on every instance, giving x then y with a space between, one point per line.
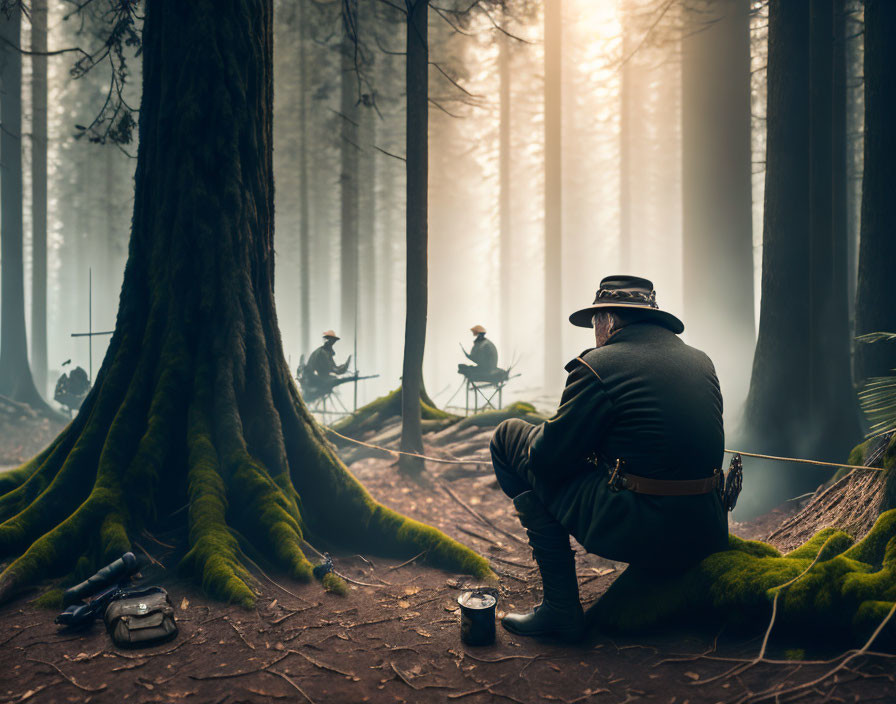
194 403
875 302
716 185
553 190
417 151
833 404
367 329
348 178
801 400
505 240
626 156
304 214
15 373
39 194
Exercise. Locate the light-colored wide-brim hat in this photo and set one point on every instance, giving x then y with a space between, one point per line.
623 293
330 333
477 329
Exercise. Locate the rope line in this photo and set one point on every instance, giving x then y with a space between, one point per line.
403 452
800 460
776 458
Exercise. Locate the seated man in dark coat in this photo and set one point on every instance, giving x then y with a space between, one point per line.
630 463
320 373
484 356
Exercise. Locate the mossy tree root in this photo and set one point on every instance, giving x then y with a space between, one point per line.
836 588
194 404
387 408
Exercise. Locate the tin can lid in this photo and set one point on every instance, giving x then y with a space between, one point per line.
476 600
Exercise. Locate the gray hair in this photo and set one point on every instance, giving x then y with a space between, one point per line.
605 323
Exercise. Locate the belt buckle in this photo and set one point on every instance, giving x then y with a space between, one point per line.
617 481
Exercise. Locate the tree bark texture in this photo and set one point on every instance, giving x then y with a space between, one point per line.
801 400
417 150
194 403
304 214
39 194
348 178
875 302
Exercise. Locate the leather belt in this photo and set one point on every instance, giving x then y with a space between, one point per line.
669 487
662 487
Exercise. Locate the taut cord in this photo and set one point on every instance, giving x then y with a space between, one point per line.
798 460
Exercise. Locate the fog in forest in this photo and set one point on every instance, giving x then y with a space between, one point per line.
632 75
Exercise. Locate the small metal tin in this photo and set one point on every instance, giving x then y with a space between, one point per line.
477 617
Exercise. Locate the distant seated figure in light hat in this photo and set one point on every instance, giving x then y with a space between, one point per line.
484 356
629 464
321 371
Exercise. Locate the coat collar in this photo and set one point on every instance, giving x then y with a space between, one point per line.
635 331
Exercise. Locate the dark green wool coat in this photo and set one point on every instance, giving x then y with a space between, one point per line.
650 399
484 353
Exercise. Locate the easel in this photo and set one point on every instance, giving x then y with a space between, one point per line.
90 334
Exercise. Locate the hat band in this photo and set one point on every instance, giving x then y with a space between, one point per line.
627 297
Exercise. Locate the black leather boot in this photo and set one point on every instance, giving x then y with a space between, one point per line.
560 612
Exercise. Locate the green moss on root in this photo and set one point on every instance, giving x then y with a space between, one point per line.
490 419
380 411
334 584
845 593
50 599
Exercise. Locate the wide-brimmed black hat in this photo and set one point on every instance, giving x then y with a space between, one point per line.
626 293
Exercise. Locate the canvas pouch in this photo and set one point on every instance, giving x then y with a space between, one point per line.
141 618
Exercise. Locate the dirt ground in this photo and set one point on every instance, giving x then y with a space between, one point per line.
398 639
23 437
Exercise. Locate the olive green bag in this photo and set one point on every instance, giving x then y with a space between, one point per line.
142 617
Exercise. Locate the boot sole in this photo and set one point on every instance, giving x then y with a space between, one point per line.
568 636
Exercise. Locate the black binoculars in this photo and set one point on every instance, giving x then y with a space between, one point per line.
105 586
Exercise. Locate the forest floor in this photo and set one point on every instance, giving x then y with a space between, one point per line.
399 641
23 433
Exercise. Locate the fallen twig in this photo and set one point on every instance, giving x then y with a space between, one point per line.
18 633
150 557
289 679
474 534
240 634
324 666
407 562
228 675
479 516
410 684
293 613
69 678
760 696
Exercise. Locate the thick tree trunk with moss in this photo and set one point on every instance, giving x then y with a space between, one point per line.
194 404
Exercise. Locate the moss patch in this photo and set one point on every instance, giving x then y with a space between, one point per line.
490 419
380 411
845 593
